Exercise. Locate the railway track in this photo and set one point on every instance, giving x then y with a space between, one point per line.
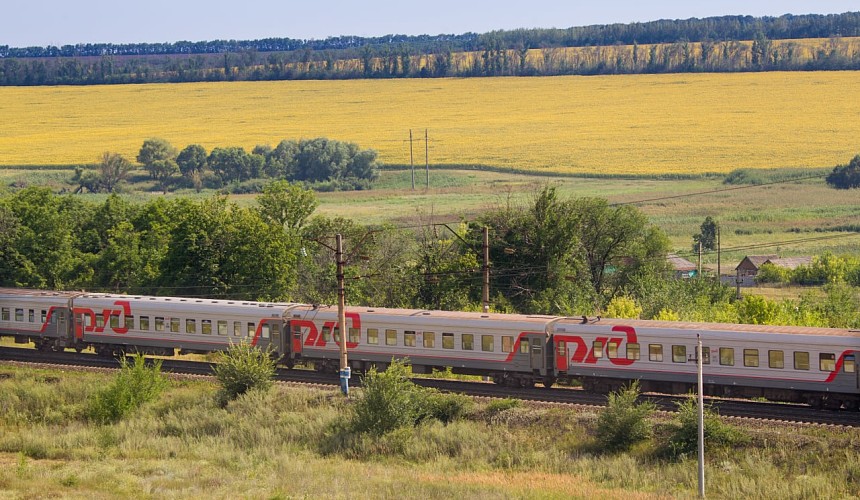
746 409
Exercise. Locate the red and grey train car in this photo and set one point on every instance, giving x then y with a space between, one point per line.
811 365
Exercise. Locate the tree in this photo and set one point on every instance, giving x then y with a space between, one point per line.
113 169
191 159
707 236
230 164
286 205
159 159
845 176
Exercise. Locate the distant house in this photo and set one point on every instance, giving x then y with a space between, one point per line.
683 268
749 266
790 262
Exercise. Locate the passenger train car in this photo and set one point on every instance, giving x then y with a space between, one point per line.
810 365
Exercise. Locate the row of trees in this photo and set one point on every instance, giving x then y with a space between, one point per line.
550 256
313 161
494 59
711 44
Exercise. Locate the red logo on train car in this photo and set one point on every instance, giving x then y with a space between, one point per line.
92 324
314 339
583 354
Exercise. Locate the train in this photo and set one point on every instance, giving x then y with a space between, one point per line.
815 366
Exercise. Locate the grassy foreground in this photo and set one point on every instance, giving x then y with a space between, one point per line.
630 124
282 445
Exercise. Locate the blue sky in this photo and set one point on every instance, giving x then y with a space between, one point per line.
60 22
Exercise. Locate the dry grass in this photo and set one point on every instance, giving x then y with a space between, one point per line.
644 124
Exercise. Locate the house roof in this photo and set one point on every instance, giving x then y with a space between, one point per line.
757 260
790 262
680 263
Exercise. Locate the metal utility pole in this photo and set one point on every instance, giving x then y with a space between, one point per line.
427 157
486 293
411 160
341 317
701 418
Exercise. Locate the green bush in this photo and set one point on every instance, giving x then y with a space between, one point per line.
623 422
685 436
243 368
136 384
499 405
444 407
388 401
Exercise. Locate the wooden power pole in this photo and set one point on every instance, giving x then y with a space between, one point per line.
486 291
341 317
427 157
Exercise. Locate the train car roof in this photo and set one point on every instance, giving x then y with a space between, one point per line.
27 292
724 327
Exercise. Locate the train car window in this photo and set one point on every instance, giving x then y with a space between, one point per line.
144 323
612 350
597 348
390 337
100 321
174 325
354 335
447 341
561 348
429 340
190 326
265 330
679 354
252 329
4 314
326 333
801 360
706 356
655 352
775 359
159 324
633 351
849 365
468 341
129 322
19 315
62 316
88 320
237 328
222 327
373 336
487 343
44 315
524 346
206 326
32 316
336 332
508 343
826 362
751 357
409 338
727 356
114 321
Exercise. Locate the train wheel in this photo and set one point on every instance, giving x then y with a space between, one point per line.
548 382
815 401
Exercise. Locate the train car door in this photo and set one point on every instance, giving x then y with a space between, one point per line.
277 340
537 356
561 356
62 325
293 337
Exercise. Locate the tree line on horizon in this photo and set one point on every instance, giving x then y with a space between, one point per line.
711 44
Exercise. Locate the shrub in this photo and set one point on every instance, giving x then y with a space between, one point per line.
136 384
243 368
388 400
499 405
623 306
623 422
685 437
444 407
